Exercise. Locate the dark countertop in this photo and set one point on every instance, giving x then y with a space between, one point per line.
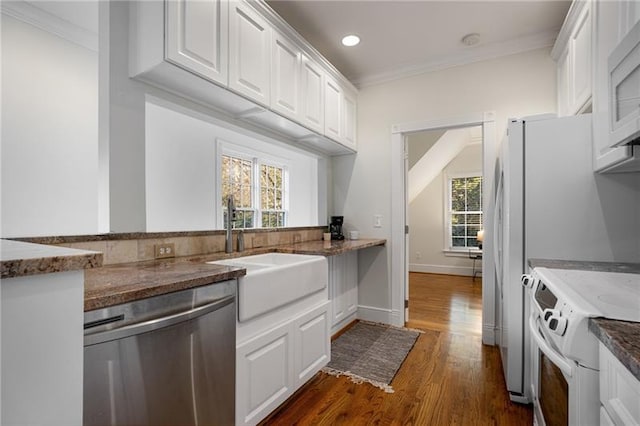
329 248
126 282
19 259
630 268
622 338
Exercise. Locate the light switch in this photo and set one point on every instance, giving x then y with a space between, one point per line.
377 221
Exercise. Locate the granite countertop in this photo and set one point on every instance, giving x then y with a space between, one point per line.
328 248
122 283
126 282
630 268
622 338
19 259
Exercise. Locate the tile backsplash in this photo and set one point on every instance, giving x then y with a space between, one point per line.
137 247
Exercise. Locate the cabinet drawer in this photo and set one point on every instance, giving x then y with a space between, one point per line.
619 390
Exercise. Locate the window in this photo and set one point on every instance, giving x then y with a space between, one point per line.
258 187
272 196
464 211
237 180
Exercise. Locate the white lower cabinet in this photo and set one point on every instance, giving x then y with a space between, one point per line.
619 391
343 289
264 374
272 365
313 344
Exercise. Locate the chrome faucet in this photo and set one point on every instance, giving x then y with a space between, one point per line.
231 215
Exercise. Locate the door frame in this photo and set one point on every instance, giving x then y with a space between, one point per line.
399 258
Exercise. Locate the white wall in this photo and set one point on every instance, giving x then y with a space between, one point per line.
516 85
426 220
181 176
49 133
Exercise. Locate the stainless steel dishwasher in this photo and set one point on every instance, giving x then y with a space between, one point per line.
164 360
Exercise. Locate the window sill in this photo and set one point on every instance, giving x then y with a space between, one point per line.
461 253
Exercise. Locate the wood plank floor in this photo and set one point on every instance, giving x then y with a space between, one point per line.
448 378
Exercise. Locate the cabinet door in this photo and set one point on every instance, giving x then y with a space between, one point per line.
312 95
249 53
264 374
285 77
197 37
312 343
351 282
343 286
563 84
619 389
580 51
349 122
606 19
332 109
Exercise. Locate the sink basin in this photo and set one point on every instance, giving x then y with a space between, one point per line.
276 279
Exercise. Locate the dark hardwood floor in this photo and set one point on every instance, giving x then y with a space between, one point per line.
448 378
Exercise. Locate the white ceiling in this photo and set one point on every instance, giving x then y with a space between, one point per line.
401 38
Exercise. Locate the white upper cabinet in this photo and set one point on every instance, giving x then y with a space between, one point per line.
611 22
312 86
242 59
249 53
197 37
580 62
332 109
572 53
349 117
563 83
286 59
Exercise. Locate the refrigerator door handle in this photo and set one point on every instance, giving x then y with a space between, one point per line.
499 196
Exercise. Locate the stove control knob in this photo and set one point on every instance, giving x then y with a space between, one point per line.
558 325
527 280
548 313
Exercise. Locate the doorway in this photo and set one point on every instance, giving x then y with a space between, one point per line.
399 203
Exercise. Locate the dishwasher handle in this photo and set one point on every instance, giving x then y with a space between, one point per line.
156 323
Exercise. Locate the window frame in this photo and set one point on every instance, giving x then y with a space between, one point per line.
257 159
448 249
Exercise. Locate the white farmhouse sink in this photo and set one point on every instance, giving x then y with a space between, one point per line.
276 279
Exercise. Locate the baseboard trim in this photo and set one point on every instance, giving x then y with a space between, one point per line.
336 328
441 269
373 314
488 334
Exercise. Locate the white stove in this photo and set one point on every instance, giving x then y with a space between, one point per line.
562 301
565 300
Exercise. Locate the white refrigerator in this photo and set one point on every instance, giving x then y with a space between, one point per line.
551 205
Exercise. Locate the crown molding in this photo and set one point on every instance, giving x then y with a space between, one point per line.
475 54
30 14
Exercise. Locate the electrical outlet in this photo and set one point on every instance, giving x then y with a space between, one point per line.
165 250
418 255
258 241
297 238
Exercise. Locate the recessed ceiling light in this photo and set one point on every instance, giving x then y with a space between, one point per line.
350 40
471 39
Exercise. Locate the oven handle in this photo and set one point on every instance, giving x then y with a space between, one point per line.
554 356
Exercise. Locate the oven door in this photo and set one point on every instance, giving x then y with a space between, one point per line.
564 392
551 377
